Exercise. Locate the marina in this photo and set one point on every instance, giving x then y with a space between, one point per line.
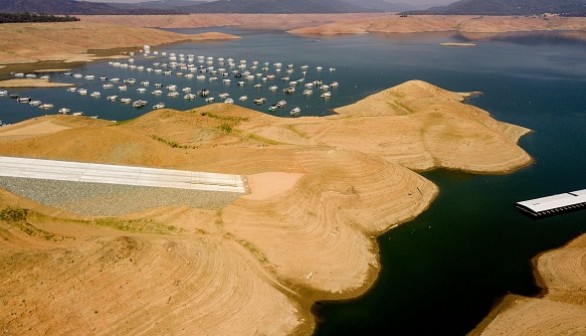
166 74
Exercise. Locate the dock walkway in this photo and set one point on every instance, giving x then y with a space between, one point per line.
551 205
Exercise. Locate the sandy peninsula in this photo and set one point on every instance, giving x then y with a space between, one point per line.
561 310
320 193
77 41
31 83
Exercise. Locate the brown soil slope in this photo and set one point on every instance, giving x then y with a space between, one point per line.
248 21
562 309
71 41
436 23
255 265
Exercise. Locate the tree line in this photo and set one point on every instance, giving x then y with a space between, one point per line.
32 17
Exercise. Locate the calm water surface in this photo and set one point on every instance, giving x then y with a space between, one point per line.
441 273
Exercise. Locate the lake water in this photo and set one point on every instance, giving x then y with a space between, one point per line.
443 272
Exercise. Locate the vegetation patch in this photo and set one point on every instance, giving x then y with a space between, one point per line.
264 140
250 247
171 143
17 218
233 119
225 128
138 226
12 215
31 17
219 221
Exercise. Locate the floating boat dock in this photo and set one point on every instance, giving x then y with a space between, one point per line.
125 175
551 205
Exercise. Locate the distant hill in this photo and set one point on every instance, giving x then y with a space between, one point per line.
54 7
509 7
71 7
386 6
275 6
27 17
159 4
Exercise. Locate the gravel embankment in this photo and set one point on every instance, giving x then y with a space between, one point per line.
99 199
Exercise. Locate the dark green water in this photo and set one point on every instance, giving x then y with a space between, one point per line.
441 273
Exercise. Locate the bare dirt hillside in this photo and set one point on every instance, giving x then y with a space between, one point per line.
561 310
72 41
434 23
248 21
320 194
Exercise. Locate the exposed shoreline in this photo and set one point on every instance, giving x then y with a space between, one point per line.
466 24
561 275
316 25
32 83
457 44
245 240
312 237
67 42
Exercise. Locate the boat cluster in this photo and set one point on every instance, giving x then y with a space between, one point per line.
111 84
228 71
30 101
208 74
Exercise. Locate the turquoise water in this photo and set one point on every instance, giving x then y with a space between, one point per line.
442 272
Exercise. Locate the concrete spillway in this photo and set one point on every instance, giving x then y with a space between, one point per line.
124 175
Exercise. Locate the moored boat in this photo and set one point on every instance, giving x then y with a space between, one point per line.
139 103
189 96
158 106
259 101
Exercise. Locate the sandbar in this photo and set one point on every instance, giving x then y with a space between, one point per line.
32 83
458 44
52 70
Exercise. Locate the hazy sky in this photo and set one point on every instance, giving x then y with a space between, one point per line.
411 2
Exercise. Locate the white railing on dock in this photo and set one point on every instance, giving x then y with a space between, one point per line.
554 204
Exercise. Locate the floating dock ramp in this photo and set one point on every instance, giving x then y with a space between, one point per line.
551 205
122 175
